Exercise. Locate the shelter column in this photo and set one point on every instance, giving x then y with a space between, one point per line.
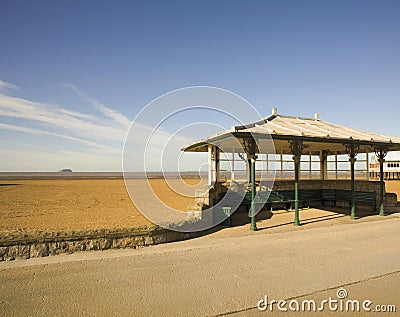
336 166
352 151
217 164
211 164
323 161
233 165
253 226
296 147
250 148
381 153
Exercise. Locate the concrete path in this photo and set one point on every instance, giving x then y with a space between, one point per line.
213 275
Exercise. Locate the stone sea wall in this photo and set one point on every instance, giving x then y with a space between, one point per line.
46 245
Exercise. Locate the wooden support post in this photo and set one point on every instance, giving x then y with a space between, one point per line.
210 165
233 165
297 149
336 166
217 164
323 164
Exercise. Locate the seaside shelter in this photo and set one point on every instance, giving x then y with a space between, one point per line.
316 171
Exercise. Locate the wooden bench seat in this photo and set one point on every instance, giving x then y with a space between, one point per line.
361 198
306 196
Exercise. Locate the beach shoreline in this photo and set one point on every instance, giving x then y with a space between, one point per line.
95 214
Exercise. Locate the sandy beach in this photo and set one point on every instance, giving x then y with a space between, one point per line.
90 204
27 205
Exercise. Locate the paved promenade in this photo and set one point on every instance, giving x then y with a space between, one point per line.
225 273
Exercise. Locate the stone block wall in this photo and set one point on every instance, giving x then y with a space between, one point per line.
390 203
36 249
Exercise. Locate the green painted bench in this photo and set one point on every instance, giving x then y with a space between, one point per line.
361 198
262 198
287 197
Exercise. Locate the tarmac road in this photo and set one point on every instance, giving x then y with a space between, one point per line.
213 275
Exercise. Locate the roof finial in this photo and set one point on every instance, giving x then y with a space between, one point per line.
316 116
275 111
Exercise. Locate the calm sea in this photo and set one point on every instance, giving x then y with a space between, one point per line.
93 175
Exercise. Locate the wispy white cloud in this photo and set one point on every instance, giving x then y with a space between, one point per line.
5 85
108 112
116 116
63 121
93 145
102 134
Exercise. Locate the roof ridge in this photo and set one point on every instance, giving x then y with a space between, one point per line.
269 118
297 117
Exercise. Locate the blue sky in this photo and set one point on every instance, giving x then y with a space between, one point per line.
73 74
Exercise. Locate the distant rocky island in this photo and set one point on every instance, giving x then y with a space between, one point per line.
65 170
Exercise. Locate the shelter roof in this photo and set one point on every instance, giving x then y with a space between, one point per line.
315 133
